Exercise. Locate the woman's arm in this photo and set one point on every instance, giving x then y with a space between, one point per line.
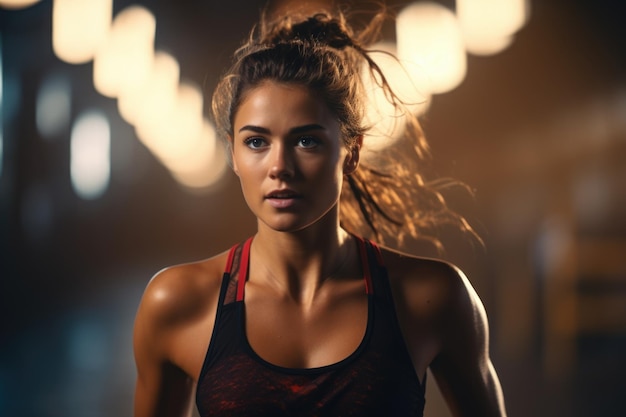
463 368
162 389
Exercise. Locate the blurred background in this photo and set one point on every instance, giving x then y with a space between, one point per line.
93 202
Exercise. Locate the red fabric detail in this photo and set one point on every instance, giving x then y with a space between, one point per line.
243 269
229 261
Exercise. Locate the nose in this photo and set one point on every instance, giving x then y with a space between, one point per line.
282 163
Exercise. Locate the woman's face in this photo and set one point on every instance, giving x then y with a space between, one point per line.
288 153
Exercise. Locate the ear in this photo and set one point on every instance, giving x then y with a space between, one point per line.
231 152
351 162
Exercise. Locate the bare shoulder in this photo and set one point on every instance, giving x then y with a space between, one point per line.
181 292
425 283
446 329
176 301
172 331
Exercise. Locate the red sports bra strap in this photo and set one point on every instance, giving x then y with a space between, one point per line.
379 255
229 261
369 288
243 269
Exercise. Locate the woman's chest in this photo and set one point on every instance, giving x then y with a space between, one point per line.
377 379
288 335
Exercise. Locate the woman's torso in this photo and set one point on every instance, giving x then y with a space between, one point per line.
374 375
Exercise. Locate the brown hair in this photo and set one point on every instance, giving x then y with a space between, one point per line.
322 52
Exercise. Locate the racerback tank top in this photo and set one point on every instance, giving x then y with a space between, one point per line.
377 379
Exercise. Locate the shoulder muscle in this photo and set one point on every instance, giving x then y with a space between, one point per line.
166 357
175 297
440 302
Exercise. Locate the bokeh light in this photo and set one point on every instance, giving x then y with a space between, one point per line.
201 168
79 28
17 4
429 37
488 25
387 121
90 155
150 101
179 136
52 112
125 58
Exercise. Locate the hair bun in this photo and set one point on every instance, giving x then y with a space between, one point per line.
317 29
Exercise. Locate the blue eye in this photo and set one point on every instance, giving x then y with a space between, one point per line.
308 142
255 143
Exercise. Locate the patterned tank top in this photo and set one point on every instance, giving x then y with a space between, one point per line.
377 379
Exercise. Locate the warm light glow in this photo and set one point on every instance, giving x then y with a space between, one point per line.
203 165
428 36
174 133
168 119
90 155
155 98
79 28
125 59
177 154
386 121
486 46
183 140
488 25
17 4
52 112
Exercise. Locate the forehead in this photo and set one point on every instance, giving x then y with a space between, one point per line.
281 105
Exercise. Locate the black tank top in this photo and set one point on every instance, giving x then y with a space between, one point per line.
378 379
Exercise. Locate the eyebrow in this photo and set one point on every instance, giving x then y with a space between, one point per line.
295 130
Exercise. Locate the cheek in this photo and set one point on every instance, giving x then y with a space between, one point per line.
319 169
329 176
239 162
242 170
249 171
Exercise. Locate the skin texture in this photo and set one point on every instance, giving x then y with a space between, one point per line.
305 300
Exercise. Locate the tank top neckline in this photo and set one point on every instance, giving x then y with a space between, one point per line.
239 302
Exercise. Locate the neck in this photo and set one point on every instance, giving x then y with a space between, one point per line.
297 264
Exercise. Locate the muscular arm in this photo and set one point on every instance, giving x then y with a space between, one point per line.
162 389
463 368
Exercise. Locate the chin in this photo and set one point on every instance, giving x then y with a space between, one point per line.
287 223
293 221
286 227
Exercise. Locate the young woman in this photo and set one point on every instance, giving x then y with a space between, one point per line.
306 318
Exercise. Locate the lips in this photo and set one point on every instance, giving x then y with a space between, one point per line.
283 194
283 199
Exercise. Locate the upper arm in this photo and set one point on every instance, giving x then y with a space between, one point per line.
463 368
162 389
